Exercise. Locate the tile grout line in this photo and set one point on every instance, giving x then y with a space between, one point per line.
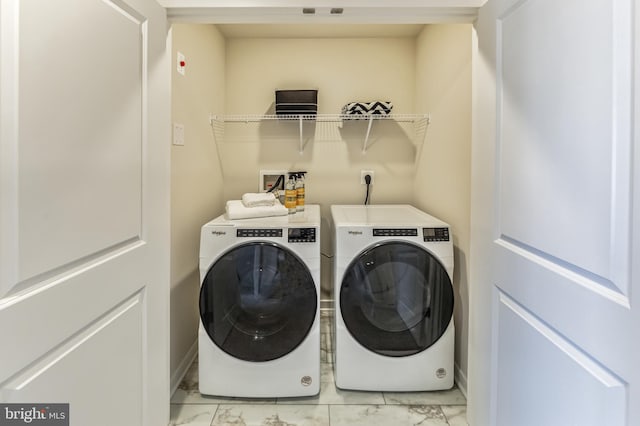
215 413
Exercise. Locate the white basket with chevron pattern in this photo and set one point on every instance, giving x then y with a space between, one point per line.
359 109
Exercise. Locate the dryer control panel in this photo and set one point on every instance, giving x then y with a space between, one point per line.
435 234
259 232
302 235
395 232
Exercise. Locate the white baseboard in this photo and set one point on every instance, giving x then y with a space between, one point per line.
184 365
461 380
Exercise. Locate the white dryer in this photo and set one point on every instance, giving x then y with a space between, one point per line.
259 332
393 271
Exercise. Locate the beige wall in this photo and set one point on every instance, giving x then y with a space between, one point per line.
430 73
442 181
342 70
196 179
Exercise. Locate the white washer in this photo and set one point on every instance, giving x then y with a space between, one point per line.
259 332
393 327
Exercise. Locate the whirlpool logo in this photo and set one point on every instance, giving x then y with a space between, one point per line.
218 233
356 233
34 414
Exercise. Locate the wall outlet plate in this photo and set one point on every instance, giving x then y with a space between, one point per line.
178 134
363 173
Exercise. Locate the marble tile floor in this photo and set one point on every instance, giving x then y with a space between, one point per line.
332 407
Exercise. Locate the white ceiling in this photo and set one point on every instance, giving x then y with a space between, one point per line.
319 30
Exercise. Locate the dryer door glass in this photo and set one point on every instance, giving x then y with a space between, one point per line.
396 299
258 302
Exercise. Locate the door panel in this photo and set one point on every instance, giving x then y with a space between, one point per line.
84 273
563 171
552 215
567 382
60 308
78 157
119 328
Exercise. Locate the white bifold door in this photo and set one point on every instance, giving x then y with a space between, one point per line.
556 214
84 206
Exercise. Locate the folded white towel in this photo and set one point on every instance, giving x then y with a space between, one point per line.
255 199
237 210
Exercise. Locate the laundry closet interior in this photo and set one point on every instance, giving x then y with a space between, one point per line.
234 70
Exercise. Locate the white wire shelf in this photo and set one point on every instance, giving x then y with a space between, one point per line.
421 122
251 118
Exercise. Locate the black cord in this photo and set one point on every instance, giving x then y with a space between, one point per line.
367 180
277 184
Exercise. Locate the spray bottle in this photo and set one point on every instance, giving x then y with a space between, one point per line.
300 191
290 194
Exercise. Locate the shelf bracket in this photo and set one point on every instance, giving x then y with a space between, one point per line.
216 123
301 146
366 138
421 127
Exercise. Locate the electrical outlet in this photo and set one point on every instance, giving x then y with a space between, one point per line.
363 173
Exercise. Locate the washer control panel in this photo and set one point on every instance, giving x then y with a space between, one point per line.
395 232
302 235
435 234
259 232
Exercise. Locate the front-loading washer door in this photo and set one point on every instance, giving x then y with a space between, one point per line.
396 299
258 302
